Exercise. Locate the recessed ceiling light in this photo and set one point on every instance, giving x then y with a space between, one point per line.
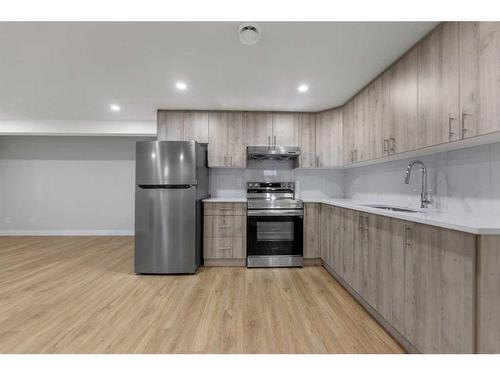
303 88
249 33
180 85
115 107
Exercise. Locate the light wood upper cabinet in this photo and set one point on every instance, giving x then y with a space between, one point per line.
362 126
348 133
285 129
439 289
307 140
170 125
236 140
226 140
380 116
329 138
217 139
479 78
403 103
259 128
196 126
438 86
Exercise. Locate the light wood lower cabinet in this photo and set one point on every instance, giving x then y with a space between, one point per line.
420 279
224 231
311 230
439 289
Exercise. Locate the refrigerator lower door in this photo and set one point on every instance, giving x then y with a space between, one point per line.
165 230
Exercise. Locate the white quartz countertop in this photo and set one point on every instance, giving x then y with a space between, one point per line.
475 224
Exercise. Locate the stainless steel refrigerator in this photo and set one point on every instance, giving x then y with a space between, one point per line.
171 180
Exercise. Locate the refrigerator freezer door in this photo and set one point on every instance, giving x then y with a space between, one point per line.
165 163
165 230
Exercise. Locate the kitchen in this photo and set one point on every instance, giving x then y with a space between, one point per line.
367 226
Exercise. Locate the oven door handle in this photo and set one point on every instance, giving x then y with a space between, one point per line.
275 213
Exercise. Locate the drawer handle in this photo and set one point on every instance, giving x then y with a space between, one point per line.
224 226
224 248
225 209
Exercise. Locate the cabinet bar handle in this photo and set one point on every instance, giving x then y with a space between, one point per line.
392 145
464 129
274 145
407 235
360 219
317 161
225 161
385 146
224 226
225 208
225 248
268 141
366 223
450 132
356 155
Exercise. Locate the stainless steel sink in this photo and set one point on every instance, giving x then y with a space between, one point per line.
391 208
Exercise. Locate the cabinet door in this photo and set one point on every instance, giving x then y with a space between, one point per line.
236 140
259 128
349 227
170 125
217 139
311 230
367 258
307 136
479 77
335 240
362 128
438 86
380 116
324 234
329 138
196 126
387 248
439 289
348 133
285 129
403 103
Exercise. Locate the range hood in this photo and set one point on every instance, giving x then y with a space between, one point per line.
273 153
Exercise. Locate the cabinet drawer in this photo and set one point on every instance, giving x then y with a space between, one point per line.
224 226
220 248
226 208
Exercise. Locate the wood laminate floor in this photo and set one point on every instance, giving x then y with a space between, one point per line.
79 295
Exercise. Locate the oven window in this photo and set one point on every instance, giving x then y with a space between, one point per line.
275 231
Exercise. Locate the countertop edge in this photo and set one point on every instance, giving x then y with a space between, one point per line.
357 206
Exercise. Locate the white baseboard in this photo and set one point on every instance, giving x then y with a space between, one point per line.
66 232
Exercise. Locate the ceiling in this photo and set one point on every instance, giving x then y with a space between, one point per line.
75 71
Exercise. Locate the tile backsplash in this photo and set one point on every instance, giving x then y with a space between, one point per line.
465 181
310 183
461 181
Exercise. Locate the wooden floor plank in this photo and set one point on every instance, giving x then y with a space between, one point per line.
80 295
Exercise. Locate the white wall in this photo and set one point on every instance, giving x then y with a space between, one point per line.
465 181
67 185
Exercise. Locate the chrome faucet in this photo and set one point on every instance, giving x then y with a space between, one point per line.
425 198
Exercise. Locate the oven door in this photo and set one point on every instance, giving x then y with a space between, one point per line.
274 234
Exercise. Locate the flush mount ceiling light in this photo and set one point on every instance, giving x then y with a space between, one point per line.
303 88
115 107
180 85
249 33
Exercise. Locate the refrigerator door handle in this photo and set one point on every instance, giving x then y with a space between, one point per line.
165 186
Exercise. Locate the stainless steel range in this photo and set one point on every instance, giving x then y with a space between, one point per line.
274 225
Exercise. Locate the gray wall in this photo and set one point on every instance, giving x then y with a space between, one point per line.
66 185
